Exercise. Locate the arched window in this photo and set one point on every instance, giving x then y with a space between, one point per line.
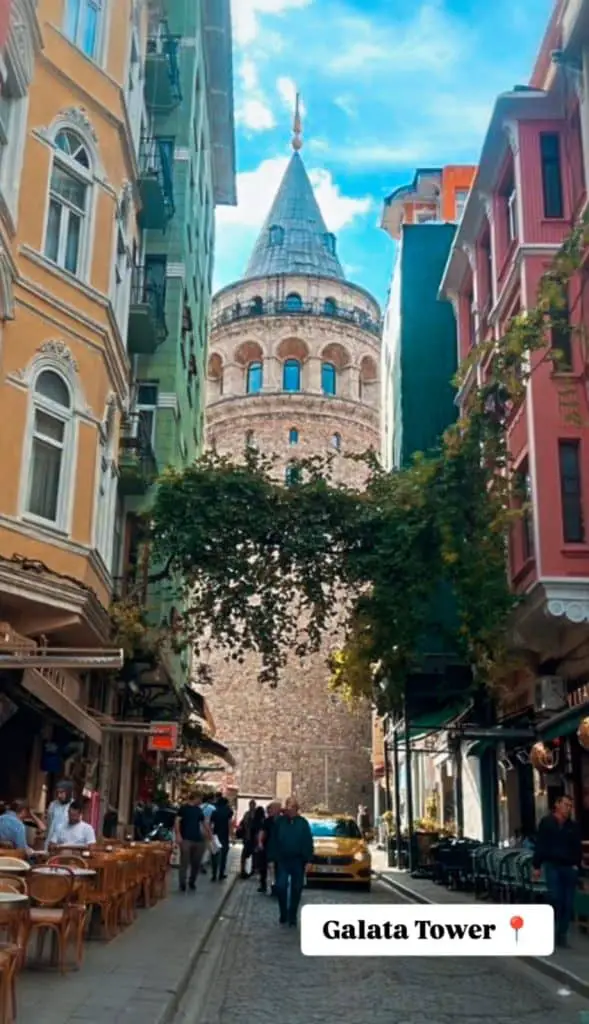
276 235
291 375
292 474
293 437
328 379
49 464
255 378
69 193
330 307
257 305
249 439
293 302
336 442
329 240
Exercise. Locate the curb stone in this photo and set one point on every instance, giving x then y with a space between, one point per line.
540 964
176 995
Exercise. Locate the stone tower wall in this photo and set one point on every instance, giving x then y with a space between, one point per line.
298 735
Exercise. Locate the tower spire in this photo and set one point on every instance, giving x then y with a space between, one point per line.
297 127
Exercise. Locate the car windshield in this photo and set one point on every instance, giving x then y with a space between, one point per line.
335 828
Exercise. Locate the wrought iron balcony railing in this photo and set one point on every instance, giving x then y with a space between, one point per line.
145 292
137 462
156 164
272 307
163 84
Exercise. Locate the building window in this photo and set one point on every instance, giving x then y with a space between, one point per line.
573 526
293 437
461 195
146 406
83 24
330 307
69 190
561 335
336 442
292 474
276 235
50 458
293 301
255 378
512 215
121 281
249 439
551 175
524 487
328 379
291 375
257 305
330 243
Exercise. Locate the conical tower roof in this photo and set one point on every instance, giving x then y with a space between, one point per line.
294 238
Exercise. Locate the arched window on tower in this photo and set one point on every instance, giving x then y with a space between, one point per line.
293 437
293 302
276 234
291 375
292 474
257 305
336 442
255 378
329 240
330 307
328 379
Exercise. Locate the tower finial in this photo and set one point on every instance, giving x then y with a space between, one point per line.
297 127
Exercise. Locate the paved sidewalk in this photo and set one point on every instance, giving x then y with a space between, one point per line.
569 966
140 976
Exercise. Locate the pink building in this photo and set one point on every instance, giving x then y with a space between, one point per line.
528 191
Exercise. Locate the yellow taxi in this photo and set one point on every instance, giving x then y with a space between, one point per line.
340 852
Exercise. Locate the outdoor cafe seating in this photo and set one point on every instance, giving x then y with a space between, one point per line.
69 897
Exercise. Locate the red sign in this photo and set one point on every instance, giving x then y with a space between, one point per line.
163 737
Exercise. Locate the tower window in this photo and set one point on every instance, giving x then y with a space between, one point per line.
257 305
330 307
293 302
336 442
292 474
293 437
328 379
255 378
276 235
291 375
249 439
329 240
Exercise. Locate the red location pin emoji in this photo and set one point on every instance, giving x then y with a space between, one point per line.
517 923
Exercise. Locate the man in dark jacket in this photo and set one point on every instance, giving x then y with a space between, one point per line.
559 851
292 844
267 856
220 823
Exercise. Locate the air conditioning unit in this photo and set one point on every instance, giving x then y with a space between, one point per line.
551 694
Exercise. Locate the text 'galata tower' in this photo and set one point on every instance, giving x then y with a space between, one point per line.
293 368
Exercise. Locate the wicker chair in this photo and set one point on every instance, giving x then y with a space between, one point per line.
52 910
13 921
9 963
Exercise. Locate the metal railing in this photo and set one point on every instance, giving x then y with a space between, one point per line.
146 292
272 307
135 443
163 44
156 160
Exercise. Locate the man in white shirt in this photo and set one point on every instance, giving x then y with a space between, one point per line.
208 808
57 812
76 832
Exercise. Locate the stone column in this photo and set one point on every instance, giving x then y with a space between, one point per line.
312 374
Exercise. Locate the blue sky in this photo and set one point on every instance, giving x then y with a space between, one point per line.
387 86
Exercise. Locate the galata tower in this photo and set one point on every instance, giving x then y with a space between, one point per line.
293 368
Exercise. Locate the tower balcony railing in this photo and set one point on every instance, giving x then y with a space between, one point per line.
163 89
273 307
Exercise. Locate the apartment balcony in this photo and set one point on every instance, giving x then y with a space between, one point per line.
256 309
156 182
137 464
162 90
147 314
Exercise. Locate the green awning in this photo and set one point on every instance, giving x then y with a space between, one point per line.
435 721
566 725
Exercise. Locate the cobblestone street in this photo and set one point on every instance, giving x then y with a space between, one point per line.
253 970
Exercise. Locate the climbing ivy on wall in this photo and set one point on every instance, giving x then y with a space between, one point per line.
271 569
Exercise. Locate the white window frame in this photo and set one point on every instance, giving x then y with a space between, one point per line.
106 493
68 446
512 215
85 176
82 9
134 96
122 265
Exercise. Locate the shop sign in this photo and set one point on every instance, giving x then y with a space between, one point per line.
163 737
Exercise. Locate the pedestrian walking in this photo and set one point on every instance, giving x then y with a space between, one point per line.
245 833
293 849
559 852
257 840
192 833
208 806
221 819
267 853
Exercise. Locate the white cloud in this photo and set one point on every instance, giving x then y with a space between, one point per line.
256 189
255 115
246 16
287 91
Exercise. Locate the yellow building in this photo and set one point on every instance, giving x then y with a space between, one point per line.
68 204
